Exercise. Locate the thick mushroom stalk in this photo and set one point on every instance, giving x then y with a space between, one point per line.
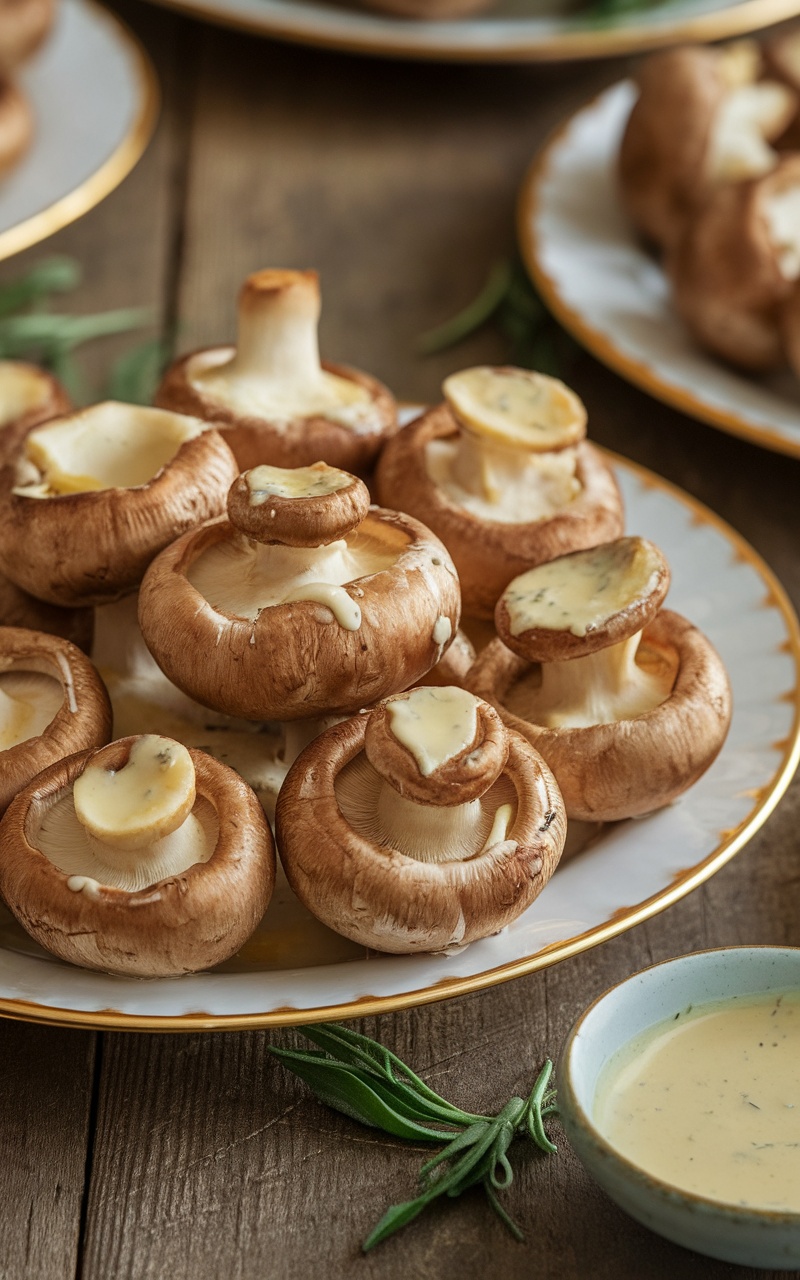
308 603
628 705
276 401
503 474
421 825
143 859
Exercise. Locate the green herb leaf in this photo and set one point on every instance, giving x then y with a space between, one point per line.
135 375
472 317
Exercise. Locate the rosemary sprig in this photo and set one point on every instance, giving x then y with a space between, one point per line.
366 1081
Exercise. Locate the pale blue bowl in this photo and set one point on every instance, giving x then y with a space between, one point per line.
752 1237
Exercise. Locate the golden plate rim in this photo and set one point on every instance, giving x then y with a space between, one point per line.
734 20
129 150
368 1006
598 343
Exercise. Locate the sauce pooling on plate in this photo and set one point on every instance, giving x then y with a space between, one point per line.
710 1101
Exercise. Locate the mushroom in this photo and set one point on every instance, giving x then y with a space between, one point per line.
16 124
628 705
503 475
23 26
90 498
142 859
18 609
270 396
28 396
52 704
421 825
737 265
703 118
306 602
433 10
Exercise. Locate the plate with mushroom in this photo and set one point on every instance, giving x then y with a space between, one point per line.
323 948
613 294
76 157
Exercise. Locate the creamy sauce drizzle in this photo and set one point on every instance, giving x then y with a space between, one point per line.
343 607
710 1101
516 407
148 797
580 592
442 630
435 724
294 482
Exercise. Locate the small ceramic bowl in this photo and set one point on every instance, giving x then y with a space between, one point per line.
752 1237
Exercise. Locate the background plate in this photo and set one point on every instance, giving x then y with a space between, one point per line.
511 31
597 279
95 99
294 970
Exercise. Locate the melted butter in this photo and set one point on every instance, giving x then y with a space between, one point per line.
144 800
109 446
501 483
294 482
240 578
28 703
435 724
516 407
782 212
84 884
737 147
21 389
344 609
580 592
442 630
710 1101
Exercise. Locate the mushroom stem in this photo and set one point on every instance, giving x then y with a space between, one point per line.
134 869
600 688
277 330
528 486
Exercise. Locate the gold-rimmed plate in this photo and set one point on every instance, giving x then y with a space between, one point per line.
95 100
600 283
509 31
294 970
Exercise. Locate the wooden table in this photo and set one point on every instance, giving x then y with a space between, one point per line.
197 1156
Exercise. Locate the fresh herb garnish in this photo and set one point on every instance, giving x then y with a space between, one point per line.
29 330
534 339
366 1081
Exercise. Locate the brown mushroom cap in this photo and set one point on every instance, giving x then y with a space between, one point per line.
23 26
729 273
630 767
489 553
293 660
83 720
278 313
621 585
18 609
93 546
385 899
299 507
28 396
16 124
180 924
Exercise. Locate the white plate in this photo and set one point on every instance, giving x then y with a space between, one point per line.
510 31
95 98
605 289
294 970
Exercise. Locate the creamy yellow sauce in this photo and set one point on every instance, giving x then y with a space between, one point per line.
294 482
434 724
344 608
710 1101
581 592
149 796
516 407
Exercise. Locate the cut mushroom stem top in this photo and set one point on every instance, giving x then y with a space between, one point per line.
581 617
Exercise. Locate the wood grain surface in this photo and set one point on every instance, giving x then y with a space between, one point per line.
194 1157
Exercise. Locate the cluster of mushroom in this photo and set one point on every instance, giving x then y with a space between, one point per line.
416 789
708 174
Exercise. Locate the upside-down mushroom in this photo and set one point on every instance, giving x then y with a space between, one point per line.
305 603
271 396
90 498
52 704
501 472
736 268
703 118
421 825
28 396
142 859
628 703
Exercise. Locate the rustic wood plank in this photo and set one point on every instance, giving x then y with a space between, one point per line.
45 1097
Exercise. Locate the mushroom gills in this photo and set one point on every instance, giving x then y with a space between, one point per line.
110 446
620 682
495 482
782 212
72 849
242 577
427 833
29 700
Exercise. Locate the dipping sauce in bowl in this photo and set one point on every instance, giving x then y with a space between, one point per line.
710 1101
679 1090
